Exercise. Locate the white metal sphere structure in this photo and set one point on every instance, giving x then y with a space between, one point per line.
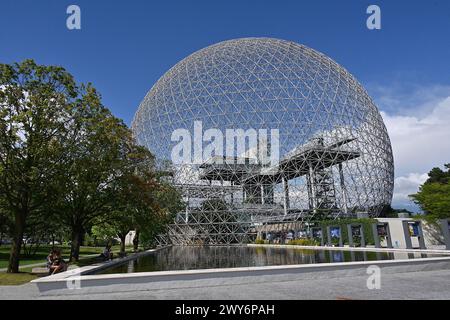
335 156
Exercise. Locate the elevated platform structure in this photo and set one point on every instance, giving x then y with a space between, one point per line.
236 195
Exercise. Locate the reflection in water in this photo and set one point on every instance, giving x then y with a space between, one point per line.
360 257
188 258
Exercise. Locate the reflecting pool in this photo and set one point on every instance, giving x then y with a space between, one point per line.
189 258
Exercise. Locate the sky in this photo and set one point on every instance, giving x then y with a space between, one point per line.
124 47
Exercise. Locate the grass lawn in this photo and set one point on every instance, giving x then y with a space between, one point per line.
25 275
11 279
42 253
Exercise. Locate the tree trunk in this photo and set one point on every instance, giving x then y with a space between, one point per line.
122 244
77 235
136 240
14 257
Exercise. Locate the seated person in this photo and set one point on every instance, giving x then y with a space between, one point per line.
50 259
56 263
107 254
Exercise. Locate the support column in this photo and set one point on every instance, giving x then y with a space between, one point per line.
344 190
363 236
388 237
308 187
232 193
350 235
187 211
421 238
445 226
406 234
286 195
376 237
262 193
313 189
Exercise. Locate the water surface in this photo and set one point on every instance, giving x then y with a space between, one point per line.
190 258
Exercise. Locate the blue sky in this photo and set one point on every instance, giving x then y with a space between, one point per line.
125 46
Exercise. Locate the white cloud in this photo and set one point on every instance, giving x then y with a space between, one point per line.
420 141
408 99
404 186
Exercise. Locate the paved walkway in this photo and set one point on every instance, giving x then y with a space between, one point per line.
425 284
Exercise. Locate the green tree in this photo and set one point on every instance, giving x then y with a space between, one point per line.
169 201
144 202
103 232
389 212
434 195
134 205
5 224
37 106
65 160
100 158
434 199
437 175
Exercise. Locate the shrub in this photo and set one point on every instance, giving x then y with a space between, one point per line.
303 242
366 223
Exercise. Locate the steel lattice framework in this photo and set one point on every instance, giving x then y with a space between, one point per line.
335 153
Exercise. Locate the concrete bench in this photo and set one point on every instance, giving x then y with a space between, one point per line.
41 271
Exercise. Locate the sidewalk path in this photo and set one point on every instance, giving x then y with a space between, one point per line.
425 284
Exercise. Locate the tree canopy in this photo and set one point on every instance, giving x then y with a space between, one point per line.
37 110
434 195
66 162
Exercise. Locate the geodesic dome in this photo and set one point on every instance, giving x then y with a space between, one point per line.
334 153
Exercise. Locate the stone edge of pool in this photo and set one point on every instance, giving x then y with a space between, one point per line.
84 275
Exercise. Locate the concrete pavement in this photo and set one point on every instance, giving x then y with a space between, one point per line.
430 282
